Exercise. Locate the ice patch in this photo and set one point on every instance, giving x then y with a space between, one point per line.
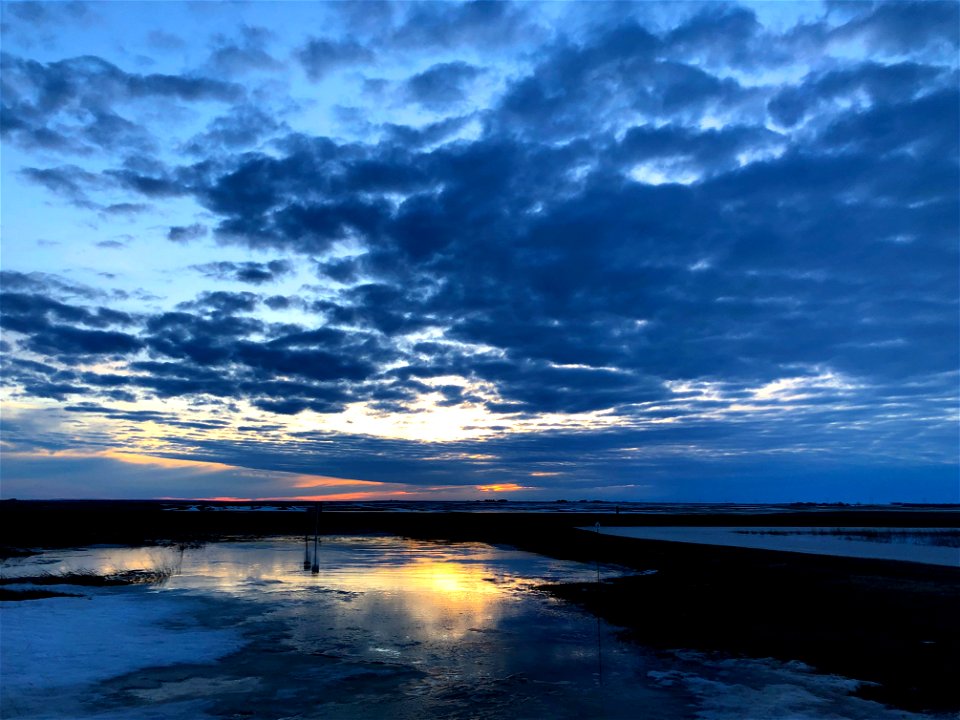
59 642
767 689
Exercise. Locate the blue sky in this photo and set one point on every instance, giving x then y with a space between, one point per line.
649 251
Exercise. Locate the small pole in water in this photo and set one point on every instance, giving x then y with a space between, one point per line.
306 548
597 612
316 544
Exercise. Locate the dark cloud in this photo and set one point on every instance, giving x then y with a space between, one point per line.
68 181
249 272
905 27
441 85
64 341
186 233
23 311
50 286
699 152
152 186
279 302
869 82
247 54
222 303
429 134
319 56
51 328
926 127
69 105
112 244
140 416
41 13
565 254
478 23
571 77
124 209
720 34
244 126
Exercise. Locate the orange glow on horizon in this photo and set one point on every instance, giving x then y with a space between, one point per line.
313 481
503 487
375 495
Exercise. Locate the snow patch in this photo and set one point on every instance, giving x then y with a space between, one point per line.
58 642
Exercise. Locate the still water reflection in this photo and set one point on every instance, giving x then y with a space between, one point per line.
387 628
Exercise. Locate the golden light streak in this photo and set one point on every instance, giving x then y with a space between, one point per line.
302 481
501 487
163 462
374 495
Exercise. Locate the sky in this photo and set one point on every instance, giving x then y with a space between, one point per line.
428 251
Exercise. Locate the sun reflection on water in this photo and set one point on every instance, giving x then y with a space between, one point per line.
393 588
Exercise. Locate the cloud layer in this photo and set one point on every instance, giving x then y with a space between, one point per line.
679 251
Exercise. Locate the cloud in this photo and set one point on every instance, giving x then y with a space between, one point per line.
162 40
864 84
248 54
186 233
442 84
255 273
578 254
663 242
64 341
69 181
244 126
70 105
319 56
904 27
478 23
222 303
25 311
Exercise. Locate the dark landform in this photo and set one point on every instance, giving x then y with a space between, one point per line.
894 625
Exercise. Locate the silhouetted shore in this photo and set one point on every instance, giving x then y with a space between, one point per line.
894 624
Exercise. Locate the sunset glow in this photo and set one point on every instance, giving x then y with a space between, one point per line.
505 487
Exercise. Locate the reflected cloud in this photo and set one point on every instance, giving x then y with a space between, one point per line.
425 592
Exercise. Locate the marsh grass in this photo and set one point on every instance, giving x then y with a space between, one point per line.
161 569
8 595
89 578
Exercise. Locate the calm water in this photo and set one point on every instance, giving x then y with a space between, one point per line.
929 546
386 627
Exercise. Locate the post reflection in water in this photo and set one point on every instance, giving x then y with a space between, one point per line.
464 605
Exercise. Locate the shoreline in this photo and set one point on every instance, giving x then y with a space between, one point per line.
60 523
807 540
890 624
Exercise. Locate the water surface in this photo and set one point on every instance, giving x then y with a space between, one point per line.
385 628
916 545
